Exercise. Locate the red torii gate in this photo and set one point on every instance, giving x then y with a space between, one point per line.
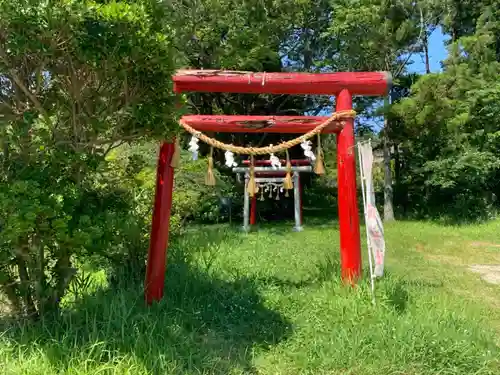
342 85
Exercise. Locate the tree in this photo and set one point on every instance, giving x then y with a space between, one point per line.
78 79
451 120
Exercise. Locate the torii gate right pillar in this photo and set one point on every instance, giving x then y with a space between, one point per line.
350 244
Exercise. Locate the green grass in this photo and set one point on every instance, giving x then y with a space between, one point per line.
271 303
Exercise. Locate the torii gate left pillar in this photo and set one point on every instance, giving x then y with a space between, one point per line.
343 85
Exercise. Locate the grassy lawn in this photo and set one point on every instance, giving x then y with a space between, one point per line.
271 303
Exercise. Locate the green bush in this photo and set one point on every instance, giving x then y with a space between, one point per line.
78 79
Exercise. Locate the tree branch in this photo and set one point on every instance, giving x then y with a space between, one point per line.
22 86
103 142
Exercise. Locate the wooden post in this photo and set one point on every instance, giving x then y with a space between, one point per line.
253 210
158 243
350 245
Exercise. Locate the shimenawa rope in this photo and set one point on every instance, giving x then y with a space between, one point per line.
252 187
337 116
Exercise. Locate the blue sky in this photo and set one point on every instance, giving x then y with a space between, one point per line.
437 53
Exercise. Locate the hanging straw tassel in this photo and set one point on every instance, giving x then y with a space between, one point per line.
176 157
287 183
252 187
210 178
319 167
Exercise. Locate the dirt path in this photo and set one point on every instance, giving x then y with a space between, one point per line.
488 272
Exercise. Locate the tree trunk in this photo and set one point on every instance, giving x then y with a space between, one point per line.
64 274
388 193
26 288
397 175
426 53
8 287
397 165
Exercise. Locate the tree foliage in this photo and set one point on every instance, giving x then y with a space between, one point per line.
78 79
451 130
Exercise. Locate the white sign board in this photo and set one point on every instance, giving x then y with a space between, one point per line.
374 227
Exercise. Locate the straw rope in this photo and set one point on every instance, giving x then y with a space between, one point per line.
336 117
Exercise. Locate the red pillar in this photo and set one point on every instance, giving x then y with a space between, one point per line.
253 210
157 255
350 246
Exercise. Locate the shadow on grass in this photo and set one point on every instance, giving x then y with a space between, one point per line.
398 298
312 218
397 291
327 270
203 325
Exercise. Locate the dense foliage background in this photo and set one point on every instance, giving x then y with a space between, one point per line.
85 95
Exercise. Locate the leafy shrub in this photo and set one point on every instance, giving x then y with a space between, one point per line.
78 78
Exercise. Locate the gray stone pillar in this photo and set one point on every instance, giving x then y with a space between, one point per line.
246 206
296 202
